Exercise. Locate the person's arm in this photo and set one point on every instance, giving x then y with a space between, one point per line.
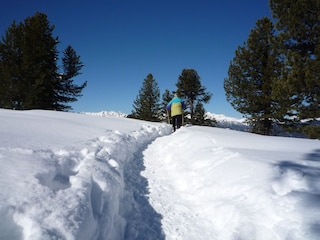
169 106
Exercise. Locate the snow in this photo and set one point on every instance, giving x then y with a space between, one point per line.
107 114
81 176
228 122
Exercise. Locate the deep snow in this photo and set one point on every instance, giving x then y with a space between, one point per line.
75 176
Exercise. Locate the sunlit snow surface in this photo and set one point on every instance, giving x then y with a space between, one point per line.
76 176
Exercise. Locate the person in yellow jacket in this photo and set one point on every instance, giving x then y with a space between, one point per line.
176 107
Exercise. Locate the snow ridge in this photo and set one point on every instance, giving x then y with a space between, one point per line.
87 184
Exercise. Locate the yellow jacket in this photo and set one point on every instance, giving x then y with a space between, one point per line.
176 106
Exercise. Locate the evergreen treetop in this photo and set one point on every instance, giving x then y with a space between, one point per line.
147 103
29 72
190 88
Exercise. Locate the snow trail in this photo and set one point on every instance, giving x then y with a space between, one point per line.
226 193
142 221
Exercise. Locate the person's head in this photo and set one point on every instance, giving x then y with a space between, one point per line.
175 94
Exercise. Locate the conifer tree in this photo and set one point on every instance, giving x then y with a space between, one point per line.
24 66
166 97
200 117
190 88
30 77
11 88
298 24
147 103
251 76
37 63
66 90
199 114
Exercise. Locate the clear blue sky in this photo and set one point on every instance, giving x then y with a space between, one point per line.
122 41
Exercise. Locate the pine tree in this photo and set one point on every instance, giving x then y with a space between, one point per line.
30 77
11 88
66 90
39 67
200 117
199 114
147 103
190 88
298 24
166 97
251 75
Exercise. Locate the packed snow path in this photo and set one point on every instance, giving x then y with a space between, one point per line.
142 221
219 184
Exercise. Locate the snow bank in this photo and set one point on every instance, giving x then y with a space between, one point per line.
211 183
61 174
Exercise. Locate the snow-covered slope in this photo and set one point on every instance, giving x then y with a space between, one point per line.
77 176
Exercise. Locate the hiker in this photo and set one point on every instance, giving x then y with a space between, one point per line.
176 107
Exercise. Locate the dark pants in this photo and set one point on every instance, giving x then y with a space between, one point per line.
176 122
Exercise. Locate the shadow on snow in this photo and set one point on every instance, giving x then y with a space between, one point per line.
310 198
142 221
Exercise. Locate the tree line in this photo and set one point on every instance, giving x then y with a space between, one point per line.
275 76
148 105
30 77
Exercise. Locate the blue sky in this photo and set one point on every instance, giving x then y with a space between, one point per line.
122 41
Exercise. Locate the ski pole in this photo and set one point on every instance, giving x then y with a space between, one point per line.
182 119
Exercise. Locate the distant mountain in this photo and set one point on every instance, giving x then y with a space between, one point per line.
107 114
228 122
222 120
225 122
